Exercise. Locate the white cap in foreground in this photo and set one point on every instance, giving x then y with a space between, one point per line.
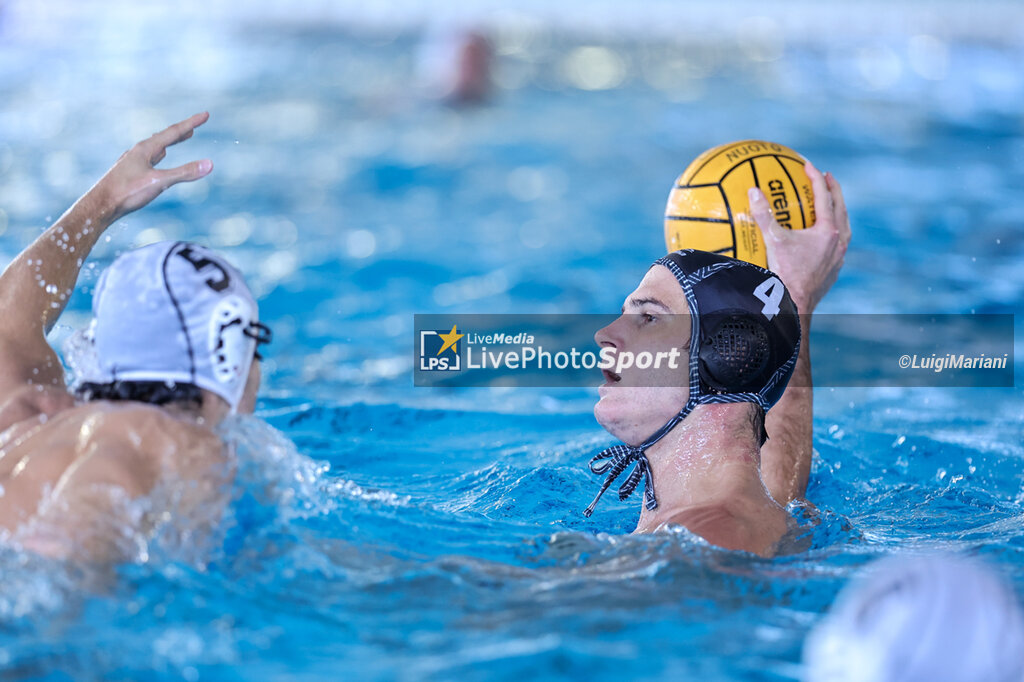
912 619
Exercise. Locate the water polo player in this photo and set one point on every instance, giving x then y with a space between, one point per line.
171 350
696 443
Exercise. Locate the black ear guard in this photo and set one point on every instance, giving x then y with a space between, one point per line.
734 354
746 331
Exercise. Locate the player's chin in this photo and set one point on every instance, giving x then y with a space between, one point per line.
611 412
621 424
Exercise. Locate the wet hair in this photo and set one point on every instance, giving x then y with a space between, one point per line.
150 392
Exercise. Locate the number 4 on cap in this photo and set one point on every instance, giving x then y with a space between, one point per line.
770 292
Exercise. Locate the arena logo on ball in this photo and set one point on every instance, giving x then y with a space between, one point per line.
439 350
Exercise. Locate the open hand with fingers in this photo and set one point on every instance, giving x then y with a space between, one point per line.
133 181
57 255
808 261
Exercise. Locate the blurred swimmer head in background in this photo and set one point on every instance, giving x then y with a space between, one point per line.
909 619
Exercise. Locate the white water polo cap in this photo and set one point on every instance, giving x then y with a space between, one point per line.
919 619
174 312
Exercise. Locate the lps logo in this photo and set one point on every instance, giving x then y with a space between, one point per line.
440 351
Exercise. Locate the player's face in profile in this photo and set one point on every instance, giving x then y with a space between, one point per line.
637 402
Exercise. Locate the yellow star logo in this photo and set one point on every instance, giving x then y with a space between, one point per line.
450 340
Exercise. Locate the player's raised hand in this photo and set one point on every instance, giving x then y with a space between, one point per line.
55 258
133 181
808 261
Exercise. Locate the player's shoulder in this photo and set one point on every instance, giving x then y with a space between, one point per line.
735 524
148 441
142 427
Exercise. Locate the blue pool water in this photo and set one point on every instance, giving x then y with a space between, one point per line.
378 531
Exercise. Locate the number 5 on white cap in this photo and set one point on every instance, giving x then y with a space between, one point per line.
770 292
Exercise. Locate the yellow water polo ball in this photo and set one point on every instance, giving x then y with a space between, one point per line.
708 208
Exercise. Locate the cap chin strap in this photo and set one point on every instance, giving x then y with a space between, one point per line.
621 456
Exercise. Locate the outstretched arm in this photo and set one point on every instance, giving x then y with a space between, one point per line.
808 261
36 286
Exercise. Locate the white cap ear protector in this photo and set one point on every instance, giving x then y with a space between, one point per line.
175 312
228 344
